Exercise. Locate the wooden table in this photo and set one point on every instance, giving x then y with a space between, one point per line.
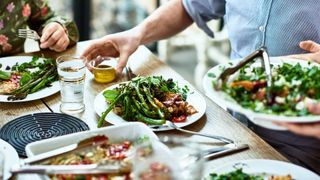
143 62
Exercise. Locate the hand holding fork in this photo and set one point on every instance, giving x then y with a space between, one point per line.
54 36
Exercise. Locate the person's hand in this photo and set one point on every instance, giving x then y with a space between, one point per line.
54 37
312 47
305 129
120 45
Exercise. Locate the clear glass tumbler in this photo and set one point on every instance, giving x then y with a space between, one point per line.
71 70
170 161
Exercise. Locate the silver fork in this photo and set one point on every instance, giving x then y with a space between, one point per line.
174 126
28 33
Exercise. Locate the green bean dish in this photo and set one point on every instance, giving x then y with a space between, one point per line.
151 100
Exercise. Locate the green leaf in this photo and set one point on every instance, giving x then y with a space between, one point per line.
25 78
111 95
5 75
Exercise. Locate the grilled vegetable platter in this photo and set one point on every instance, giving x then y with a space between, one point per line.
152 100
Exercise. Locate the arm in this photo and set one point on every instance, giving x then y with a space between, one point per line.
57 32
166 21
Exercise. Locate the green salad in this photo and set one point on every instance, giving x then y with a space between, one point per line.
294 92
238 174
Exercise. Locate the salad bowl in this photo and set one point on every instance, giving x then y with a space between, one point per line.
258 110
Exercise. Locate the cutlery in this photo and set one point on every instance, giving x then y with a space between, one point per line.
105 168
261 52
130 75
172 125
224 150
28 33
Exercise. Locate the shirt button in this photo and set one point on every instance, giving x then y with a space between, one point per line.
261 28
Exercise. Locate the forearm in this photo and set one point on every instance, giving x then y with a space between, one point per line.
165 22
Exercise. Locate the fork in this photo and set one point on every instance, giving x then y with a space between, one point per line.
28 33
174 126
265 63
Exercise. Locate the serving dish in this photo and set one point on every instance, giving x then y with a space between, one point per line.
11 61
266 168
260 118
129 131
194 98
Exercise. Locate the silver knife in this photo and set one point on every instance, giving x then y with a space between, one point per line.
224 150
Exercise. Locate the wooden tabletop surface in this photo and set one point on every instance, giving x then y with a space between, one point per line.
143 62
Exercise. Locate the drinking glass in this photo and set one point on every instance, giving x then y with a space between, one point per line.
171 161
71 70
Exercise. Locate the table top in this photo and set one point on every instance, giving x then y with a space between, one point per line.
215 121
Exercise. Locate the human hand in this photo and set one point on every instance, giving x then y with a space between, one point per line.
54 37
120 45
310 46
305 129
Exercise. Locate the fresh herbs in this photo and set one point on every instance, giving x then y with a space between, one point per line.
147 99
293 88
238 174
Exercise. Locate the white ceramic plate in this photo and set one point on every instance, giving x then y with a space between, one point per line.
194 98
10 157
269 167
261 119
10 61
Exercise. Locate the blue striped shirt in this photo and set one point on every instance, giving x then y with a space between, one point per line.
277 24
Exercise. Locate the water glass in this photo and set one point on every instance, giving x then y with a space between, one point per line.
181 161
71 70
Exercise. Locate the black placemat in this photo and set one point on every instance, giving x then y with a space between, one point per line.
34 127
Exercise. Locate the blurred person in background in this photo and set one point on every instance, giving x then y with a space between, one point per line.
250 24
57 33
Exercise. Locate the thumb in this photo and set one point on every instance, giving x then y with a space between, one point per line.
310 46
123 59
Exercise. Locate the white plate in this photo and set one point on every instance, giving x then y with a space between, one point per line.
261 119
10 61
10 157
194 98
270 167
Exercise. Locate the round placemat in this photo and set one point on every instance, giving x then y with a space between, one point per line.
34 127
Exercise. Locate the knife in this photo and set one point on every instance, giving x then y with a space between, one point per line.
224 150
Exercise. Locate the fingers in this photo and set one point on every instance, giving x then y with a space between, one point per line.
314 108
61 45
52 40
310 46
47 32
307 129
123 59
91 51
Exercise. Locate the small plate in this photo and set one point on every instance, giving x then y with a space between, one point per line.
261 119
194 98
10 157
12 60
267 168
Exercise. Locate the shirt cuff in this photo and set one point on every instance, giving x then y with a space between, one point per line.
201 23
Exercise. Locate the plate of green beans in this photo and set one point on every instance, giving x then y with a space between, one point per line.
152 100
